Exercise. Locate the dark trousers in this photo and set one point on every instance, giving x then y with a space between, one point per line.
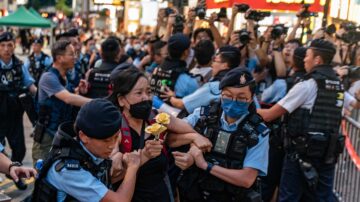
293 186
14 132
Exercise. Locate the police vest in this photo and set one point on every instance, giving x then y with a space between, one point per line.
55 110
315 127
229 151
166 75
294 79
126 140
37 67
99 80
11 79
72 156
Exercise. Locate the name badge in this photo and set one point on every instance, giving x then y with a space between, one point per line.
222 142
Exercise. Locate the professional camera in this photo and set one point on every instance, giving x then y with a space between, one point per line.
168 11
352 76
178 26
244 36
221 14
306 13
242 8
351 37
278 30
348 26
257 15
200 12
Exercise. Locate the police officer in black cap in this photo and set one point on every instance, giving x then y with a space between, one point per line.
78 167
38 62
240 151
15 80
312 139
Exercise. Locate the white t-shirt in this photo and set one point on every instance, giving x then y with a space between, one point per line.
302 95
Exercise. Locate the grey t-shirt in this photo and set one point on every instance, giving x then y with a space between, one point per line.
49 85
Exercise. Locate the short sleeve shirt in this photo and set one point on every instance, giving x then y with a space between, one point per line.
49 85
302 95
185 85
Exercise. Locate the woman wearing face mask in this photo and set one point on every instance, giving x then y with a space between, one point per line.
131 93
240 140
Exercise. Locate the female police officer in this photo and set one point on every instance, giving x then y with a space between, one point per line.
78 166
240 140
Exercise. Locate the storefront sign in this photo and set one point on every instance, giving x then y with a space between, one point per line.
108 2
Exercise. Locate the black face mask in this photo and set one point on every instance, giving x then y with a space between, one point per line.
141 110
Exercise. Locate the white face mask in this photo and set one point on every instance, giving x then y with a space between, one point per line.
137 47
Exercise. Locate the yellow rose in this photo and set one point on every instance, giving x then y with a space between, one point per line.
163 118
155 129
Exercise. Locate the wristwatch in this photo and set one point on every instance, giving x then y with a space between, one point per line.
209 167
15 163
277 49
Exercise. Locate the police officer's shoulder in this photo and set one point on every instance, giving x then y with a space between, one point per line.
68 164
259 125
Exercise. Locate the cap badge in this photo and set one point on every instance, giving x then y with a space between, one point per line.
242 79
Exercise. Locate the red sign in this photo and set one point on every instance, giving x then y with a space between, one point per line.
263 5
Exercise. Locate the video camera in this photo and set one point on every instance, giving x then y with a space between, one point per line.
221 14
306 13
278 30
178 26
168 11
257 15
242 8
244 36
352 75
200 12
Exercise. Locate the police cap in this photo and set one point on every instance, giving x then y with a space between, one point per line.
237 77
38 41
98 119
179 42
6 36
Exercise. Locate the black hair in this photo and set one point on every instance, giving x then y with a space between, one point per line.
204 51
230 55
157 46
325 49
124 82
59 48
87 40
110 49
298 57
199 30
295 41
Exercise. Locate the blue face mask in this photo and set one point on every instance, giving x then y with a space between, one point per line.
234 109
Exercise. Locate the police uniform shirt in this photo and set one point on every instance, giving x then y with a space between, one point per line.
256 157
1 147
77 182
185 85
27 78
202 96
302 95
274 92
47 62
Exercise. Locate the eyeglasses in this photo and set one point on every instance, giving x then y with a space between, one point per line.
240 99
71 54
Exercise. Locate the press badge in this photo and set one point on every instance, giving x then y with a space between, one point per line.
222 142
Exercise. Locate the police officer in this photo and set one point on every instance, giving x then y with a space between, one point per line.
240 151
14 81
172 73
38 62
56 97
99 78
312 140
78 167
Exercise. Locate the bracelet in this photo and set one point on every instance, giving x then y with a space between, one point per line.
277 49
15 163
209 167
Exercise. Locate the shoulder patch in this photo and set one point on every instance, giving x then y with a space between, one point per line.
72 164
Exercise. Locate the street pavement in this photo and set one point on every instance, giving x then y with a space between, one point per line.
6 185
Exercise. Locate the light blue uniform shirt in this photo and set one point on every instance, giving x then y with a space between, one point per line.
275 92
202 96
185 85
256 157
47 62
80 184
1 147
27 79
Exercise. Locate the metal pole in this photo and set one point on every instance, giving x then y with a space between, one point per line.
326 13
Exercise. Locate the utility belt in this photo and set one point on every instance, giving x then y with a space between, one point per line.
316 145
42 123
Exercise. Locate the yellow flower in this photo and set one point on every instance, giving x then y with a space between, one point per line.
163 118
155 129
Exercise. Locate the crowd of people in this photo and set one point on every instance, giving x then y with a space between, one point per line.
248 116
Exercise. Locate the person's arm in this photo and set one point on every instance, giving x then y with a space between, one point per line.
33 89
280 66
15 171
190 21
215 32
169 27
239 177
177 102
297 25
231 24
271 114
127 187
72 99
